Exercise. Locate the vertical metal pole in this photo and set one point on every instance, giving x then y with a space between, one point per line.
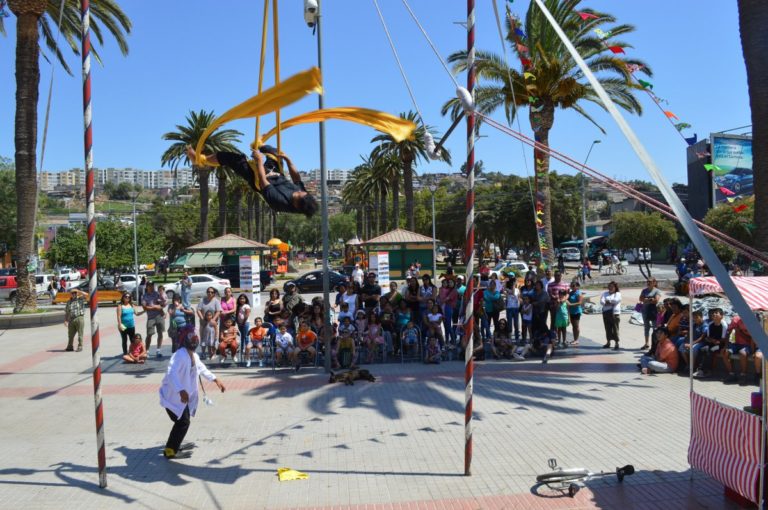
469 250
85 10
135 253
324 203
434 242
763 414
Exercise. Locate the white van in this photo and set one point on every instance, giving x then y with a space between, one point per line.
571 254
42 281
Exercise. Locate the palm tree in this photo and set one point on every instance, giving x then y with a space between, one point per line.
558 81
387 168
753 14
35 18
407 152
357 195
188 135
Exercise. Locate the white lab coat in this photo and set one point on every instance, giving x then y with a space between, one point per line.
182 375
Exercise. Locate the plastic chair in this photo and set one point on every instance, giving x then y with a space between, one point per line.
416 347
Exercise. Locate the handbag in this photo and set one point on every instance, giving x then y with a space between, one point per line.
499 305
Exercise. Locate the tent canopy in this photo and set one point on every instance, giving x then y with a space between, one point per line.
754 289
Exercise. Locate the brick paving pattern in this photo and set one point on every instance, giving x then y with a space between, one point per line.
396 443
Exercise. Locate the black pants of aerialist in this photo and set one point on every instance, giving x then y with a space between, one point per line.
179 430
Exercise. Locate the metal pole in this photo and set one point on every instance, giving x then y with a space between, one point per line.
469 250
434 241
324 204
135 252
584 204
85 10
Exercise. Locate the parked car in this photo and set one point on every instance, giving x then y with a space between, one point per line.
83 272
313 281
499 268
8 286
126 282
518 268
511 255
571 254
637 255
105 288
42 281
8 271
68 274
200 283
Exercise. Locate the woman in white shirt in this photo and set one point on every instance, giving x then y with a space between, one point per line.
179 391
611 301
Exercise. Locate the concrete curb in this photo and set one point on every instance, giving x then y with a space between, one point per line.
31 320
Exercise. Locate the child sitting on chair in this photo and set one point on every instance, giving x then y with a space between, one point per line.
346 352
228 340
374 337
283 344
305 342
344 313
433 353
409 338
435 323
502 346
256 335
137 353
361 325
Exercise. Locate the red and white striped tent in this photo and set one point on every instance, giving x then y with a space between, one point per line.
726 442
754 289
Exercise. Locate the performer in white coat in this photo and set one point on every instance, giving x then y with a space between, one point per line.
179 391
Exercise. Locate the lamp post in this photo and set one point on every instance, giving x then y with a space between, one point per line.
313 17
134 195
432 186
584 203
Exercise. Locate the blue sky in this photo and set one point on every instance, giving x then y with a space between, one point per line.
193 54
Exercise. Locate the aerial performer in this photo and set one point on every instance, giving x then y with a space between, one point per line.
265 177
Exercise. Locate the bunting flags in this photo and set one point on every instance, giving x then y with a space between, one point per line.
586 15
616 49
670 115
709 166
529 76
725 191
645 84
692 140
740 208
682 125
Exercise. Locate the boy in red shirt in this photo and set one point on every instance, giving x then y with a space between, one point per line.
305 342
743 345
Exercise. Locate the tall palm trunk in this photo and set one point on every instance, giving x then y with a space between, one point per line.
541 123
222 192
375 213
28 15
273 223
259 219
237 198
359 223
396 203
408 190
753 18
202 176
250 214
383 209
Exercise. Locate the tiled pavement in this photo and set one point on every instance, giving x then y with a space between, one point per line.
396 443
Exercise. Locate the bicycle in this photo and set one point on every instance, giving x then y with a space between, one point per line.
570 479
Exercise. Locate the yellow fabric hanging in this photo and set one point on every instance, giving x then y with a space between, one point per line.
279 96
397 127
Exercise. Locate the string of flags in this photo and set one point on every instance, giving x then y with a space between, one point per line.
646 85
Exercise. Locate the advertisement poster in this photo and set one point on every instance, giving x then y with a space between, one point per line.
256 285
383 268
732 167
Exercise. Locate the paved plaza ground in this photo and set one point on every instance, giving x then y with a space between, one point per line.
396 443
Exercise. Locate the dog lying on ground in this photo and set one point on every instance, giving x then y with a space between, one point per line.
349 377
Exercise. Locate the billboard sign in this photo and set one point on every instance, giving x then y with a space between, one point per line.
732 167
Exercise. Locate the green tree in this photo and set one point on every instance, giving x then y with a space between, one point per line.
178 225
642 230
341 226
188 135
753 18
408 152
559 83
736 225
36 20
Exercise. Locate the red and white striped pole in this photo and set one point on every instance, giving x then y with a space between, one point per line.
85 10
469 251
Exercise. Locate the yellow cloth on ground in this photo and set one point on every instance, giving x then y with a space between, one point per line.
397 127
288 474
275 98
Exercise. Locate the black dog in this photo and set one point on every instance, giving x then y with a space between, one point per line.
351 376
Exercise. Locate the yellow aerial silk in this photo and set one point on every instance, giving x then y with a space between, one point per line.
279 96
397 127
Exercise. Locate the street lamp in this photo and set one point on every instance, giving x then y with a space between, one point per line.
432 186
584 203
134 195
313 19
